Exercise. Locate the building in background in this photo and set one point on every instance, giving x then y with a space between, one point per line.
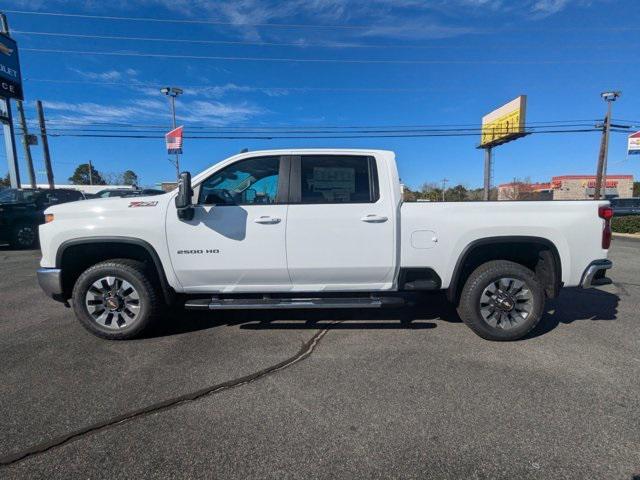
582 187
91 189
525 191
567 187
167 186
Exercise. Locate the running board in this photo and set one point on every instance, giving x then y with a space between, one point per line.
284 303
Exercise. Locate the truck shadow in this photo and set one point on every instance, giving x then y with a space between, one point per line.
345 319
576 304
572 305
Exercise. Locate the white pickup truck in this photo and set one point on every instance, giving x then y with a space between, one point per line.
315 229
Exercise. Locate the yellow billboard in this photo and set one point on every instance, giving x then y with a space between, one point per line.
505 123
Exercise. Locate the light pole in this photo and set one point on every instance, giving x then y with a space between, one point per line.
601 174
444 186
172 93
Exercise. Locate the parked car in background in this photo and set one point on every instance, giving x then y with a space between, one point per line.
625 206
145 192
22 210
121 192
111 192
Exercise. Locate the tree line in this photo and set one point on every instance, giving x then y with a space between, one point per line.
81 176
432 192
86 174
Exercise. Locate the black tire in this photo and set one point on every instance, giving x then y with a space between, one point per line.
120 326
24 236
510 324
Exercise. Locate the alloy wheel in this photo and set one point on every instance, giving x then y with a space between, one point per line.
506 303
112 302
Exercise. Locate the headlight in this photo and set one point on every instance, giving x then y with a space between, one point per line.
48 217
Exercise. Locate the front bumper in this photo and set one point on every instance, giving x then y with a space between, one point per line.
50 280
594 275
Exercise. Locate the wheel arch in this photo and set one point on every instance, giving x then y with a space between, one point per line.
80 253
540 254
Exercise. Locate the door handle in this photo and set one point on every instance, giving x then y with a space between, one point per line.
373 218
267 220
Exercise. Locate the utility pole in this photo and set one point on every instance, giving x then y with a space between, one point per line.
444 185
25 142
45 144
601 172
90 173
6 118
172 93
487 173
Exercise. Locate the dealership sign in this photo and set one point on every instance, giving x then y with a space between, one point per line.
10 79
633 147
505 123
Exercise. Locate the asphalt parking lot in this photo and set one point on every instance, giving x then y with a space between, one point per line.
385 394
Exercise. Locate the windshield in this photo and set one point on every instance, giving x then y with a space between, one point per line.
12 195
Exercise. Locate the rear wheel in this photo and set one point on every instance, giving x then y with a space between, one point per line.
115 299
24 235
502 300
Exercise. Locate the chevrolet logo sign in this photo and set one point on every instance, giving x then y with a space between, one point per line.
6 50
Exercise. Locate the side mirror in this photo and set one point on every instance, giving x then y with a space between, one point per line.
183 200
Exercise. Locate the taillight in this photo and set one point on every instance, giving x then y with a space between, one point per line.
48 217
606 213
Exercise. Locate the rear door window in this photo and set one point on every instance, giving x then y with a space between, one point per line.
338 179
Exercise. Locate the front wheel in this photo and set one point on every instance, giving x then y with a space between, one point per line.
24 236
502 301
115 299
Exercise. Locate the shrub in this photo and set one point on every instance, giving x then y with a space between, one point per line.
630 224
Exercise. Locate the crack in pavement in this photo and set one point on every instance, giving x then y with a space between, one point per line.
305 351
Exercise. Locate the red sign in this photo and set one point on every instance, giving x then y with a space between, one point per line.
174 140
610 184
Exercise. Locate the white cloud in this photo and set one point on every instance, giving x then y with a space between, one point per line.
218 91
390 19
108 76
153 111
217 113
549 7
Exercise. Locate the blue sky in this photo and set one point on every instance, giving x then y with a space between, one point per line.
463 59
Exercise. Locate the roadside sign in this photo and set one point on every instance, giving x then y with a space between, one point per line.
633 147
505 123
10 78
174 140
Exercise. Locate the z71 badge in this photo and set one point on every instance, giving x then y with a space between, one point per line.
142 204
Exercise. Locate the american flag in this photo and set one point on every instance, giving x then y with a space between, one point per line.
174 140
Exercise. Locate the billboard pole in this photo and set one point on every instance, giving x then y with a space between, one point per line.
45 144
487 173
6 118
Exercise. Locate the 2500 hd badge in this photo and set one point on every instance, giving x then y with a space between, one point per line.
197 252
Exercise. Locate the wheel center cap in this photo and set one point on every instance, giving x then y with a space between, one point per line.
504 302
113 303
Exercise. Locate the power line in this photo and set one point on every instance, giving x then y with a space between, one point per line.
476 130
306 137
535 124
474 45
236 87
331 60
203 21
213 21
